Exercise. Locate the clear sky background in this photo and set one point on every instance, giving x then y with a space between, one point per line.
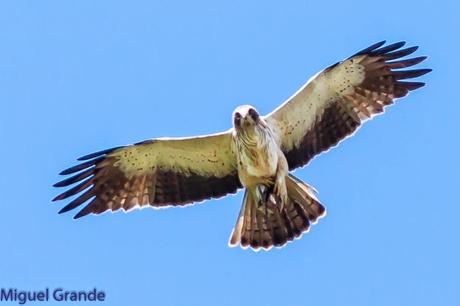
80 76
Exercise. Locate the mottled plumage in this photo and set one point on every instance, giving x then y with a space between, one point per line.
257 153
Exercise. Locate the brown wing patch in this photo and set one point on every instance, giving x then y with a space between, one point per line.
334 124
103 186
381 85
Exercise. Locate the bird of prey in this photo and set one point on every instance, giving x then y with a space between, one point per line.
257 153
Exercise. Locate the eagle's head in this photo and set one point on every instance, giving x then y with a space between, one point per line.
245 116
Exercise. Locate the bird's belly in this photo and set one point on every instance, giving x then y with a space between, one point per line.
258 164
263 165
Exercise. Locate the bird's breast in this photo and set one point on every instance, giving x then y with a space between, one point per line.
257 156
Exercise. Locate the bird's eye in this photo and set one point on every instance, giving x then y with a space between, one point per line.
237 119
252 112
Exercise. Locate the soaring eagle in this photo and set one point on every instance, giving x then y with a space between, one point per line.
257 153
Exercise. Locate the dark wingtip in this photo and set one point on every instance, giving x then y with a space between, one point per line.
65 172
422 58
64 183
63 210
81 166
58 198
82 213
74 190
398 44
411 85
99 153
417 85
370 48
407 62
425 71
409 74
76 178
388 48
407 51
377 45
399 53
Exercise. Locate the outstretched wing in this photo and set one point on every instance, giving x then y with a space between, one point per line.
159 173
334 103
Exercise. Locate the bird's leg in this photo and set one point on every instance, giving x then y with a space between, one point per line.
273 186
261 191
263 195
280 190
265 189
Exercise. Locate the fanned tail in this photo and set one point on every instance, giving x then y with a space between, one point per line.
266 224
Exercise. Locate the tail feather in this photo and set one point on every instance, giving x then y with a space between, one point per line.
300 192
266 224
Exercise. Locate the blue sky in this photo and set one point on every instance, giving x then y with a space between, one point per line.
80 76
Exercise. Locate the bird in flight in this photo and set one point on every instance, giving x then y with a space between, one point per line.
257 153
